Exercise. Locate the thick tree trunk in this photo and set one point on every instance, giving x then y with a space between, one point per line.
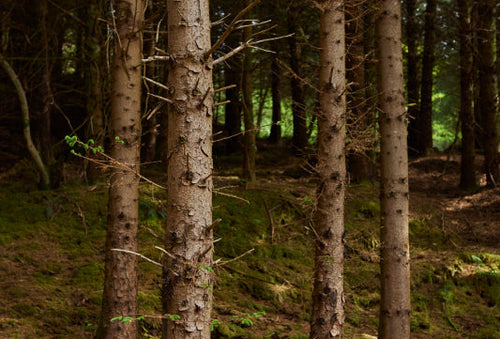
120 284
249 146
187 273
467 170
358 160
412 83
395 252
299 138
275 135
487 91
424 119
328 295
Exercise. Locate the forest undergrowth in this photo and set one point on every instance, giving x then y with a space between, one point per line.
51 253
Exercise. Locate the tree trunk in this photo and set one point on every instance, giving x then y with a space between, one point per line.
395 252
358 160
94 43
328 295
467 171
187 273
412 83
424 119
120 281
149 134
250 147
487 91
299 139
275 135
45 179
46 93
232 123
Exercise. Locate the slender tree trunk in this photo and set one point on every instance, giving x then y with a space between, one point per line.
358 160
149 134
46 93
328 295
26 122
487 91
187 278
250 148
299 139
395 251
120 280
275 135
232 123
412 83
424 120
94 42
467 170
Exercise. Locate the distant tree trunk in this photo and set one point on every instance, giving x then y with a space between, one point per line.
275 135
467 171
395 252
93 45
370 75
232 123
424 119
187 278
412 83
299 139
328 295
487 91
120 280
46 93
45 179
249 145
149 120
358 160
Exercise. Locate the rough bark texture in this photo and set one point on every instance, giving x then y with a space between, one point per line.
424 119
299 138
328 294
395 252
487 91
358 160
120 285
249 146
275 135
412 83
187 278
467 170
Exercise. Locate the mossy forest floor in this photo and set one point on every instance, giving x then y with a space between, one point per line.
51 253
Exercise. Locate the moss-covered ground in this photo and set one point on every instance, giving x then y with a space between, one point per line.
51 254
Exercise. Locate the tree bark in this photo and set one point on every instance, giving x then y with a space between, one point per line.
395 252
424 119
487 91
412 83
328 295
249 146
275 135
187 274
467 169
299 138
120 284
